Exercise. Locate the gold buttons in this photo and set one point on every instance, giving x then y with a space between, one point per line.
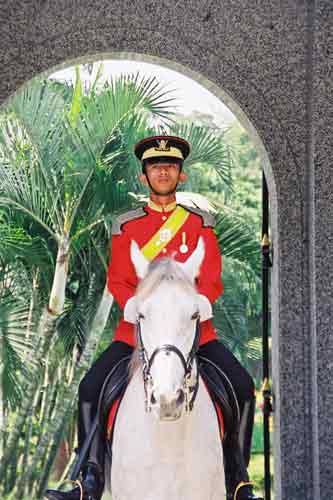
164 217
164 250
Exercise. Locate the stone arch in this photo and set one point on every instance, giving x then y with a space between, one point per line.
258 55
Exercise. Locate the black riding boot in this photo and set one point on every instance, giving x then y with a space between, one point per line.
91 439
238 424
237 481
91 483
247 411
89 487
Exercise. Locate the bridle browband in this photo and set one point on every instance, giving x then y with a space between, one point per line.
187 364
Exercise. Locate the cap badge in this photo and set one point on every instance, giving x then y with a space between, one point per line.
162 145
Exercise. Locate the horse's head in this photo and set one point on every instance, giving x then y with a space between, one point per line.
167 310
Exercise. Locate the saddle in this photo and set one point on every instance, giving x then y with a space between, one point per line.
222 394
216 381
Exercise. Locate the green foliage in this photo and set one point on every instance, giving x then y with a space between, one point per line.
14 319
246 197
256 473
208 149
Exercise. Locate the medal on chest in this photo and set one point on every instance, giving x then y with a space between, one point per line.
183 247
164 236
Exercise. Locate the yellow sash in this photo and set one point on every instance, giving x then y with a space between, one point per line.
155 245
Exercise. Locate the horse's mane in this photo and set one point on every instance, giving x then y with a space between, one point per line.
159 271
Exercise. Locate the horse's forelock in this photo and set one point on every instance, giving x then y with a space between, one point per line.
163 270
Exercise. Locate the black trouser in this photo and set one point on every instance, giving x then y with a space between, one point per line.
214 350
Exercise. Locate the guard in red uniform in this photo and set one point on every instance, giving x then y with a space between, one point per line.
162 228
140 225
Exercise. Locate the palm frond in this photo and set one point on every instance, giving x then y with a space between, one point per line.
102 116
208 149
14 321
237 240
17 244
39 110
26 184
233 313
73 326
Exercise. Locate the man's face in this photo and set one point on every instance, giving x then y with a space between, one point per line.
162 178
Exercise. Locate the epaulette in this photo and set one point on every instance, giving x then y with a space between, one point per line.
121 219
208 219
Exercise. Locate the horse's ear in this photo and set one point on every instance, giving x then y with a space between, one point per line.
205 308
192 266
139 260
130 310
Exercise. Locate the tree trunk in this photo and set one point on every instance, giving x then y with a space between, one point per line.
33 300
28 434
57 296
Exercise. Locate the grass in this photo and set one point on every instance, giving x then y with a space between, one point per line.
257 467
256 472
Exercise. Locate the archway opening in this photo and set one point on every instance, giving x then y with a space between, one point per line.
243 131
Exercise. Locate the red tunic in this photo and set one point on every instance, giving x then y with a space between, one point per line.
122 279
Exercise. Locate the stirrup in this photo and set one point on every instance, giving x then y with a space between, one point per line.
73 482
239 486
243 484
80 486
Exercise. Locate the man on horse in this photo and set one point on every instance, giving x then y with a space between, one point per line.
163 228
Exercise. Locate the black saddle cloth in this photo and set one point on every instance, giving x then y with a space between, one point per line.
222 392
217 382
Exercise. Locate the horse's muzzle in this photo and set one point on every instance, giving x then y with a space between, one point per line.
167 410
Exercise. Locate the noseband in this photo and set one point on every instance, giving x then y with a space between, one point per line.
190 391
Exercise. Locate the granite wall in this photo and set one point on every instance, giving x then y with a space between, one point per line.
270 62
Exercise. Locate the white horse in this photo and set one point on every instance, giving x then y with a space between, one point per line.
166 442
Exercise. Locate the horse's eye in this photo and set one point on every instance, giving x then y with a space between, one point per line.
195 315
141 316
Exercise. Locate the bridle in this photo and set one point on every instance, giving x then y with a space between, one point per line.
190 391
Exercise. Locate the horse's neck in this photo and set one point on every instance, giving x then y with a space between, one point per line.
153 459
